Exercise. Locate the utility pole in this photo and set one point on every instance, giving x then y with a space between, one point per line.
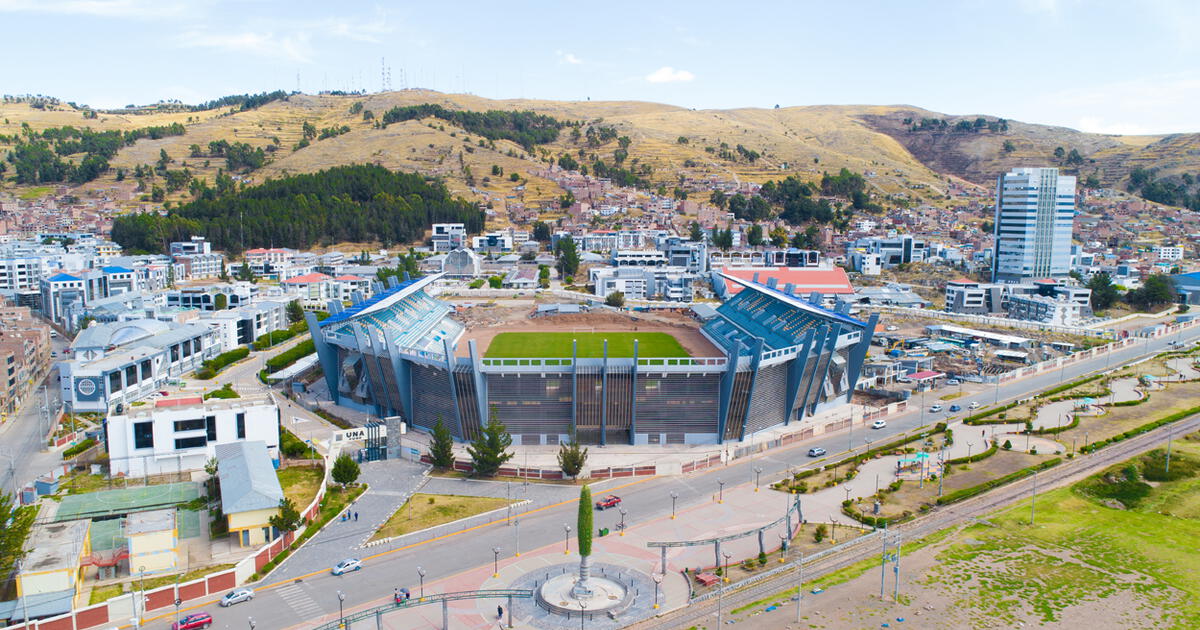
1167 468
896 570
883 558
799 583
1033 502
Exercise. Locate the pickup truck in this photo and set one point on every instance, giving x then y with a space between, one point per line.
609 501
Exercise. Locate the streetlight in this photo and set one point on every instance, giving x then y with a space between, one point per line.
421 576
341 616
252 624
721 490
517 528
674 495
782 547
582 612
622 525
495 562
726 572
566 540
757 472
658 578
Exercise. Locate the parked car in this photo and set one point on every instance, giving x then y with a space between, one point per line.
891 328
611 500
903 379
935 409
816 451
973 405
237 596
193 621
346 566
954 408
879 424
953 381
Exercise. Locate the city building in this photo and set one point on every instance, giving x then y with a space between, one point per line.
195 245
181 433
449 236
673 284
891 252
461 264
250 491
152 539
120 363
54 561
1168 253
1034 218
205 298
975 298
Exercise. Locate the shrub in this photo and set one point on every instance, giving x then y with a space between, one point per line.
1008 445
78 448
976 418
225 392
217 363
291 355
292 446
991 450
820 533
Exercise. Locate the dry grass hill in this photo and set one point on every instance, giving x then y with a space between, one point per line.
805 141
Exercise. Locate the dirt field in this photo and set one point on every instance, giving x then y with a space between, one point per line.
484 323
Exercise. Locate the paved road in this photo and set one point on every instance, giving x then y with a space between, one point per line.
643 499
23 453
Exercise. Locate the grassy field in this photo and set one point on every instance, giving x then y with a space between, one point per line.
423 511
300 484
591 345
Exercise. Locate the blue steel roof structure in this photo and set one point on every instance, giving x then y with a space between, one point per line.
780 319
377 300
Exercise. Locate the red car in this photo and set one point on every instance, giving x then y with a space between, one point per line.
193 621
611 500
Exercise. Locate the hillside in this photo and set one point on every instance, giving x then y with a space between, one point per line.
668 144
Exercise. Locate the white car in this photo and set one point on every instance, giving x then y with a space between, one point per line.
346 566
903 379
236 596
935 409
891 328
954 381
879 424
973 405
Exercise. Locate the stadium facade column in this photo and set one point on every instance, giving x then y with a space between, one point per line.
481 398
818 346
727 378
458 423
326 355
366 349
403 370
574 388
633 396
755 359
796 374
604 397
859 355
827 352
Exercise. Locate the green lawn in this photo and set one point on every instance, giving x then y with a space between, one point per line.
513 345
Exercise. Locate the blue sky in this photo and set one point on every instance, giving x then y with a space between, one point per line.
1105 66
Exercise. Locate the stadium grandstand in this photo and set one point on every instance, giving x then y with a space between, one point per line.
783 358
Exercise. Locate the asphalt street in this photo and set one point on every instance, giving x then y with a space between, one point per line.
643 499
23 454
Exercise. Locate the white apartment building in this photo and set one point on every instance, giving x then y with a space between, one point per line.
181 434
449 236
1035 214
20 274
1168 253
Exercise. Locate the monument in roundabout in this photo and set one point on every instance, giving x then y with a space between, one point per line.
572 593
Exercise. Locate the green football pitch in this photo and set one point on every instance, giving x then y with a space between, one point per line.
534 345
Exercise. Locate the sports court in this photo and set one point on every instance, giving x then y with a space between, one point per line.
125 500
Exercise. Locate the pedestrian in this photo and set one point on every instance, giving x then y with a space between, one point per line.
499 612
356 517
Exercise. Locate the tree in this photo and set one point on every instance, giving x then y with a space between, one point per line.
441 447
1104 292
541 231
779 237
295 312
615 299
489 451
695 233
572 457
1009 147
345 470
754 235
1059 153
496 282
583 533
1157 291
718 199
220 301
568 257
288 519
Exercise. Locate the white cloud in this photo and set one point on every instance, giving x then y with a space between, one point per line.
568 58
290 47
361 31
667 74
99 8
1146 105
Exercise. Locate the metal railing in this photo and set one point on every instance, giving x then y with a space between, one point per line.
437 598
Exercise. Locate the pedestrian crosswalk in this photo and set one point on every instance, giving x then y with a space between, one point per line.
299 602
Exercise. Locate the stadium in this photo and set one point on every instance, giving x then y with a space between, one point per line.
766 357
